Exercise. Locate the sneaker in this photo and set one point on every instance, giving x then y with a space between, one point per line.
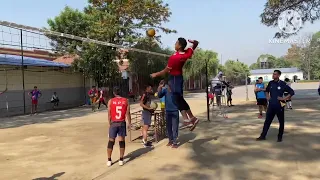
279 139
260 116
174 146
147 145
261 138
290 107
121 163
195 122
169 144
109 163
187 123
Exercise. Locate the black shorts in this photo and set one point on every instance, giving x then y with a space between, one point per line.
117 129
262 102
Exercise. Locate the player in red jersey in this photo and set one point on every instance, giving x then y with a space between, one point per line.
118 112
174 68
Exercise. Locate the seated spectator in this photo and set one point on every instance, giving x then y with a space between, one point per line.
55 100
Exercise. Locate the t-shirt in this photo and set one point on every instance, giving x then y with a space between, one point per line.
277 89
118 109
146 100
261 94
92 93
54 97
171 105
177 60
35 94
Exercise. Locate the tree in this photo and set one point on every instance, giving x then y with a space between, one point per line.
117 22
271 62
197 65
236 71
309 10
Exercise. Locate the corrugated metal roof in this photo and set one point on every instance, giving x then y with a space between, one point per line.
27 61
270 71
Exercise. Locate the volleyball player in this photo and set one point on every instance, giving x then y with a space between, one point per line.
174 68
118 112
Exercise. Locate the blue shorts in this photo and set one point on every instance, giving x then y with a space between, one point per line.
117 129
146 117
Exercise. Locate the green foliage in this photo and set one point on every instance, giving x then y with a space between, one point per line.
236 71
118 22
272 62
197 65
309 10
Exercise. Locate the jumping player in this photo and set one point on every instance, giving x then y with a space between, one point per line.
288 102
118 112
260 91
93 94
35 95
174 68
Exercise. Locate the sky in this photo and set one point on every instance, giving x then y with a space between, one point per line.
231 28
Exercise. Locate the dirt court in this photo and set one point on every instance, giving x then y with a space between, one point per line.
71 144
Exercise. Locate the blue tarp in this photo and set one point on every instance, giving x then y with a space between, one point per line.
27 61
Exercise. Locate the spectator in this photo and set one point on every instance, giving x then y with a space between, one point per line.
132 96
229 94
55 100
102 95
93 94
35 95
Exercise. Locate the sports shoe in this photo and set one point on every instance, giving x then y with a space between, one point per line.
261 138
195 122
109 163
121 163
147 145
174 146
187 123
169 144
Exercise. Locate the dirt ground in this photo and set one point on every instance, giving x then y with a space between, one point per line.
71 144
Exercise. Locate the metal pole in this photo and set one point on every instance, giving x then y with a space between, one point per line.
22 70
207 91
247 96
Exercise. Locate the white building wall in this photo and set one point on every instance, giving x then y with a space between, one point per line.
268 77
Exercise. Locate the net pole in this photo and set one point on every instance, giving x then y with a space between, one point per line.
207 91
247 96
22 71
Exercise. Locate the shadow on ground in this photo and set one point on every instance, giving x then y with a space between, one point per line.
226 148
53 177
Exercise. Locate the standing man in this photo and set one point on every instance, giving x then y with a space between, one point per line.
93 95
118 112
35 95
275 91
260 91
229 94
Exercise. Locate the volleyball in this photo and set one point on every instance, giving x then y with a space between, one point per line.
151 32
153 105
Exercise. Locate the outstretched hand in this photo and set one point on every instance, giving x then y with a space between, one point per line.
153 75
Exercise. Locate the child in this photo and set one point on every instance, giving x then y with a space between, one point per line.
229 94
172 114
93 95
146 114
288 102
55 100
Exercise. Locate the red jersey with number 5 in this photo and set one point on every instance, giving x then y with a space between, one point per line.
118 109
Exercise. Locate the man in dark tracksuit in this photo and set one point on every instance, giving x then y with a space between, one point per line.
275 90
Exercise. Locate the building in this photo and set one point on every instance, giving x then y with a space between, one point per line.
266 74
48 75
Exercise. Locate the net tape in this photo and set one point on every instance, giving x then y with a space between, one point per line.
70 36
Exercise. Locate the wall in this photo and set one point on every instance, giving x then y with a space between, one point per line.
268 77
68 85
